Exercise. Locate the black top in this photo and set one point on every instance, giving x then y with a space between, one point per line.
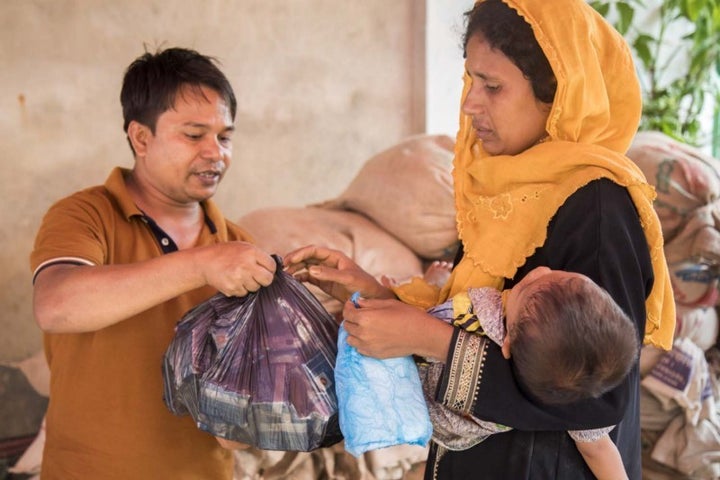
596 232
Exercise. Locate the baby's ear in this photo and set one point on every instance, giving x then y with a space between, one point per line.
506 347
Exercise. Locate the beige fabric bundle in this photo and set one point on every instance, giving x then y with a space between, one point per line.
687 182
283 229
690 443
699 325
695 284
681 430
407 190
334 463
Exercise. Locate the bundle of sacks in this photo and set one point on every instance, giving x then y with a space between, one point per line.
680 391
396 216
394 219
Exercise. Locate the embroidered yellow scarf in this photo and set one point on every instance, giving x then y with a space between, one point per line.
504 203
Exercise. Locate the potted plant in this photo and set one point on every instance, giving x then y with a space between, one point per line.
677 52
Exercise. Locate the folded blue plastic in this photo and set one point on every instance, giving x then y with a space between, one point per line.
380 402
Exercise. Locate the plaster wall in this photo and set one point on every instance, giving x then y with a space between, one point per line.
322 85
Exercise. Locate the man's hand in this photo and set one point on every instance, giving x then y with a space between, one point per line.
236 268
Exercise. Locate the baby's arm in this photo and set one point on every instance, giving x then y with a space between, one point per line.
603 458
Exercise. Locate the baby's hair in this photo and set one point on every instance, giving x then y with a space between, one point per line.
572 342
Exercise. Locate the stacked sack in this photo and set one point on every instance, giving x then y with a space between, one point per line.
407 191
394 218
680 392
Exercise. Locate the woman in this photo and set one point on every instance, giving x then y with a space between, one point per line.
551 102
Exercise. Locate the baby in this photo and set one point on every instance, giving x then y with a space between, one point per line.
568 340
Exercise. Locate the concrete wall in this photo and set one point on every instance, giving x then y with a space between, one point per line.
321 85
444 63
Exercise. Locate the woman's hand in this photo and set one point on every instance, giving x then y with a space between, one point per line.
333 272
389 328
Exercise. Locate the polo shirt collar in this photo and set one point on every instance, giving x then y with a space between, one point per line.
115 184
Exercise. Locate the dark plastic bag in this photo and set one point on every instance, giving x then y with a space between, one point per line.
258 369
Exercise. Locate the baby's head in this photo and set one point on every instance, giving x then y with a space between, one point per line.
568 338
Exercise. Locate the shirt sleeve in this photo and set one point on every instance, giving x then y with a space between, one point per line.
71 232
589 435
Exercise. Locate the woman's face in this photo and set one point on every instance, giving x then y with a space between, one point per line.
506 116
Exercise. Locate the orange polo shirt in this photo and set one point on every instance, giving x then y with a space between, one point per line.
106 417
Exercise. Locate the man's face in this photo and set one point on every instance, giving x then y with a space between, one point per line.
191 150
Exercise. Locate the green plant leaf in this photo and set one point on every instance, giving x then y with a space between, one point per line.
692 9
626 13
691 60
642 46
603 8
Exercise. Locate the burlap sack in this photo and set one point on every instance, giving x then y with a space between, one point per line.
283 229
695 284
407 190
698 324
687 182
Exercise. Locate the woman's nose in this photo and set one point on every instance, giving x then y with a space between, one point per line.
473 103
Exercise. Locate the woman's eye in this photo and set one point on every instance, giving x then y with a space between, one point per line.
193 136
492 88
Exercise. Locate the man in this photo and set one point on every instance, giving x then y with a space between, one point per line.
116 266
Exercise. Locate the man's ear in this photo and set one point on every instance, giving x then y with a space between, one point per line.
506 347
138 134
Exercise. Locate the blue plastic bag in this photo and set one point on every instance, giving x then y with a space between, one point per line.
380 402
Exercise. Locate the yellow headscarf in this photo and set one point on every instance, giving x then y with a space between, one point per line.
504 203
